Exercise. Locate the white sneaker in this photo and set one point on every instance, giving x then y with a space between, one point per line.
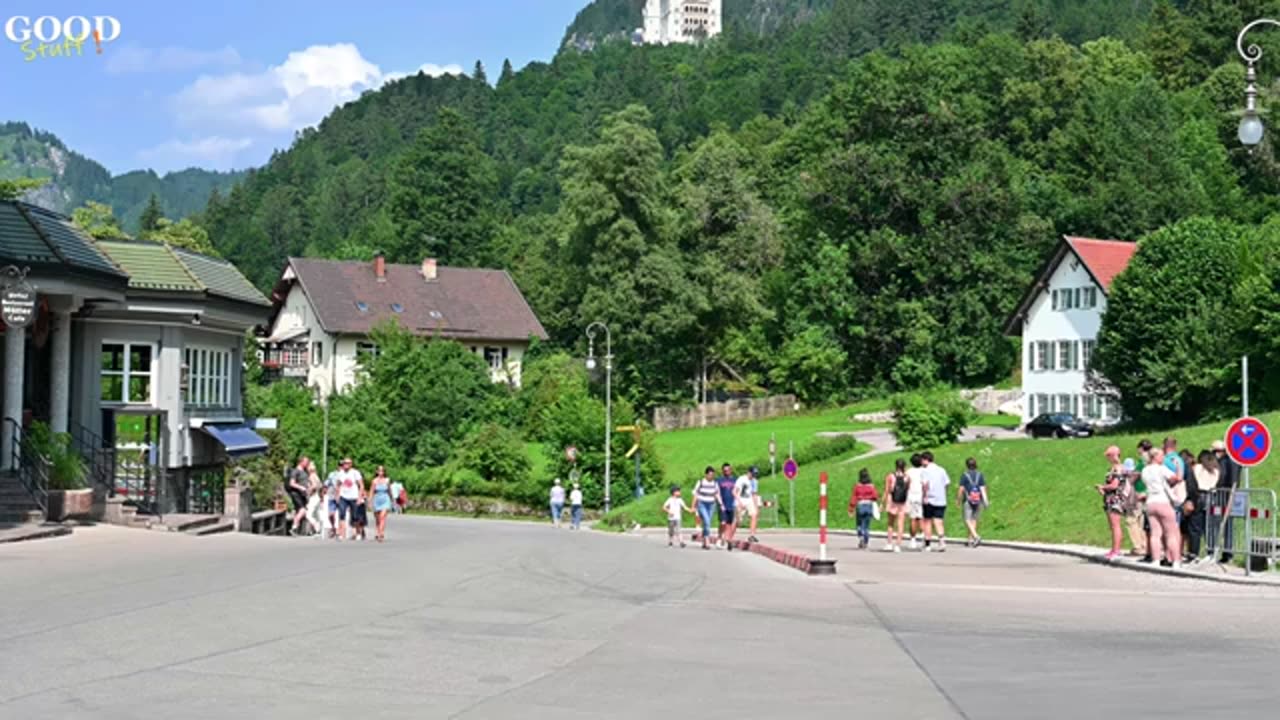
889 547
897 548
1177 566
927 549
942 547
913 545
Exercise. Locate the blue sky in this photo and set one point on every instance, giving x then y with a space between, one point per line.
221 84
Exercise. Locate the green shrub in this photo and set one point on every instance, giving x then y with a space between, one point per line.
67 469
495 453
925 420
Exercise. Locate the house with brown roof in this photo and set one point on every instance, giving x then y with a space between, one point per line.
1058 319
324 311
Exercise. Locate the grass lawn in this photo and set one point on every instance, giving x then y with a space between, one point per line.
685 453
1010 422
1041 490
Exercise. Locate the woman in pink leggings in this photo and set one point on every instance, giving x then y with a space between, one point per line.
1164 524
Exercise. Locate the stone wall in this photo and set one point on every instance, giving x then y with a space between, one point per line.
988 400
723 413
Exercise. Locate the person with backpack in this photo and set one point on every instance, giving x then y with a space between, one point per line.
896 485
973 498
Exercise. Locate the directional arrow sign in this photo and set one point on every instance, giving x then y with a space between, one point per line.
1248 441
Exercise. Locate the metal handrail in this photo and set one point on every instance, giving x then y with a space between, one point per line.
92 447
31 468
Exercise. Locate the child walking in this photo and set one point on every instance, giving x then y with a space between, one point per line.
675 506
862 503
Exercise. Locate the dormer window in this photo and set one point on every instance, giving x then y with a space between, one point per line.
362 306
397 308
435 314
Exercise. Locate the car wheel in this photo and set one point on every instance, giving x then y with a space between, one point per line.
1059 434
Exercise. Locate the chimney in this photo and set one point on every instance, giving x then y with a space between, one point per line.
379 266
429 269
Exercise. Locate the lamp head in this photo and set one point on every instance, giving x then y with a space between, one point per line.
1251 129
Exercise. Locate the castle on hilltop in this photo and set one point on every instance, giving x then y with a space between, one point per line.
680 21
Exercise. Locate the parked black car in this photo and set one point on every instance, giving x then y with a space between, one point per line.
1059 425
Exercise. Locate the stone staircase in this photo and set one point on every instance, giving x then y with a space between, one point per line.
16 504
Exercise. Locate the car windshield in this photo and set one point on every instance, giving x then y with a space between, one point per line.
1064 419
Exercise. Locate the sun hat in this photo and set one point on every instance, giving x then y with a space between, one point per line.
1218 445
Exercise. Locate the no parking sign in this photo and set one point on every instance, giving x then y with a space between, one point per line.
1248 441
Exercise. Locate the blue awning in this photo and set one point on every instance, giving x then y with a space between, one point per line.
238 439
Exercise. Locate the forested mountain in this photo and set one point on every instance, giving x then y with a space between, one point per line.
786 209
74 179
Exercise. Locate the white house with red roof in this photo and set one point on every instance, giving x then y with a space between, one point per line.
1058 320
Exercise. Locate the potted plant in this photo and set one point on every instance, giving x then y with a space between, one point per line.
66 471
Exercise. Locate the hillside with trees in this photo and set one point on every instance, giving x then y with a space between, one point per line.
818 209
68 179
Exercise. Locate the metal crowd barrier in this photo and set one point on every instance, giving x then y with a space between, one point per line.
769 510
1243 523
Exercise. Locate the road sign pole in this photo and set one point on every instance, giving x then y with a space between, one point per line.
791 506
1244 406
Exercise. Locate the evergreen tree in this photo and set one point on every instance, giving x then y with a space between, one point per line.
507 72
442 192
151 216
478 73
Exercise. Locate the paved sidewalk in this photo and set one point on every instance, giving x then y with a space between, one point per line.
17 532
842 546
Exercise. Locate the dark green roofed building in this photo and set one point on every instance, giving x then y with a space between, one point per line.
136 351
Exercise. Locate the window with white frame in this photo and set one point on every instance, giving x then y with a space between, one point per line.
125 372
1041 404
496 358
368 348
1066 355
317 353
1093 407
1044 355
208 377
1066 404
1090 298
1086 353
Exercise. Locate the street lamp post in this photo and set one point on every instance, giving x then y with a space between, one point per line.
592 329
1251 128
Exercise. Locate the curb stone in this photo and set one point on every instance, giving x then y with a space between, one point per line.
38 533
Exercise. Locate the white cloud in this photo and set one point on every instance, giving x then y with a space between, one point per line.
430 69
210 152
295 94
134 59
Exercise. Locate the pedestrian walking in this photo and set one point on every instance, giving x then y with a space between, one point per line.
936 481
350 485
706 495
399 497
747 500
973 498
1159 481
1177 465
896 489
728 517
295 486
1113 502
380 488
862 506
676 507
331 500
915 497
1206 478
575 506
557 503
315 502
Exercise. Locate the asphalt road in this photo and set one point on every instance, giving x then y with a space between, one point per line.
507 620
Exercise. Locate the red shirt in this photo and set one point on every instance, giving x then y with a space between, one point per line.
862 493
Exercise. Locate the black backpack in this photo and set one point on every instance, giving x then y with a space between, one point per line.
899 493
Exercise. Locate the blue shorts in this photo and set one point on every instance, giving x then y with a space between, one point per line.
726 514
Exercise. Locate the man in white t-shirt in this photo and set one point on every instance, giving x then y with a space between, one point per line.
746 492
936 481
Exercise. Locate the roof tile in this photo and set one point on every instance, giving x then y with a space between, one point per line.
460 303
1105 258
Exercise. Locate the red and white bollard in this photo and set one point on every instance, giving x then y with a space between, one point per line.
822 516
822 566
